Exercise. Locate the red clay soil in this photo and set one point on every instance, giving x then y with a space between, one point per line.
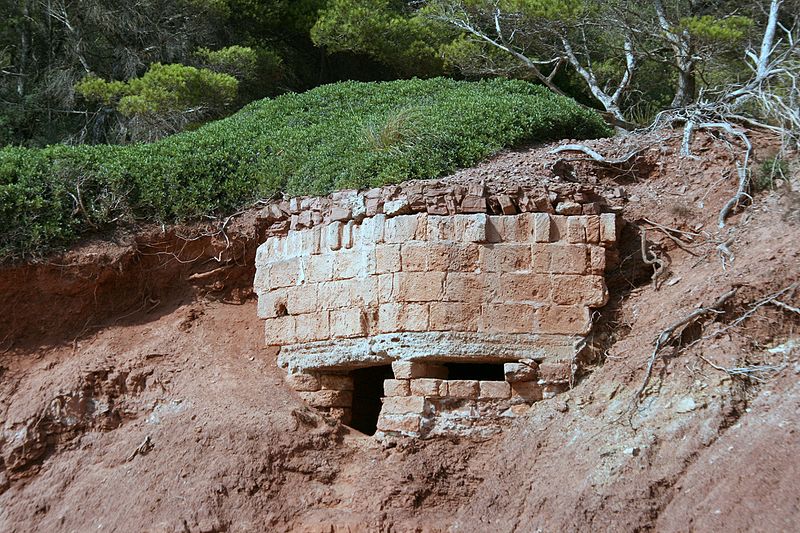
137 395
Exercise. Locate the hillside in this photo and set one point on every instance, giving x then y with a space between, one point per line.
137 393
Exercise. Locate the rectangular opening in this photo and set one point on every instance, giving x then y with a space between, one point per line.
367 394
476 371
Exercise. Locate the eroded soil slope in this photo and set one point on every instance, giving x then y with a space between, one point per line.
137 394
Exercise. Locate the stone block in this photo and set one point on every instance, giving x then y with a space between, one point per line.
385 291
340 213
387 258
568 258
551 390
597 260
312 327
541 227
576 232
466 288
397 387
310 241
471 228
333 236
404 405
454 316
397 207
591 208
428 387
558 228
520 372
272 304
344 415
506 318
406 425
335 294
284 273
414 256
608 228
437 257
569 208
554 372
373 206
328 398
319 268
349 263
441 229
506 204
592 227
563 319
529 391
505 257
395 317
415 369
473 204
405 228
348 323
494 390
525 287
301 299
303 382
347 235
464 389
418 286
335 382
280 330
579 290
372 229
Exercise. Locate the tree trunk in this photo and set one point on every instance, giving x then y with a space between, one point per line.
687 85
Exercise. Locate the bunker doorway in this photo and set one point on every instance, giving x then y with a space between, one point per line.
367 394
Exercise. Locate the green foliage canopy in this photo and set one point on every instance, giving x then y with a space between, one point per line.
346 135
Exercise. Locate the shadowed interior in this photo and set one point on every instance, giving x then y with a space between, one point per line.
367 394
476 371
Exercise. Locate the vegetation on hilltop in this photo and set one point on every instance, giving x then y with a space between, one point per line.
344 135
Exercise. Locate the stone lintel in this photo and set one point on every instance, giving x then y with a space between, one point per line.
436 346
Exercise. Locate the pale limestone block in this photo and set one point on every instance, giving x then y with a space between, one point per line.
495 390
394 317
608 228
558 228
405 228
335 382
401 405
441 228
385 288
388 258
312 327
444 257
568 258
280 330
408 425
463 388
580 290
261 280
597 263
519 372
518 287
301 299
333 236
564 319
310 241
346 264
303 382
396 387
348 323
454 316
529 391
335 294
396 207
569 208
347 235
471 228
428 387
415 370
466 287
592 225
284 273
418 286
541 227
358 208
272 304
414 256
319 268
576 232
505 257
506 318
364 292
328 398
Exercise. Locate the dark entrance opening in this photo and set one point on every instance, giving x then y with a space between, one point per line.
476 371
367 394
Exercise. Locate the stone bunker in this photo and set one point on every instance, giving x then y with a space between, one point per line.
425 324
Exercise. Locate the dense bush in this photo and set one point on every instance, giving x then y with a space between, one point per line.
346 135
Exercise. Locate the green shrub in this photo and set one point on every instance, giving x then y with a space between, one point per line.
345 135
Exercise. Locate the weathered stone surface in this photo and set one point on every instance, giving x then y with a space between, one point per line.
328 398
402 405
541 227
454 316
462 388
409 425
608 228
397 207
415 370
303 382
569 208
529 391
521 371
494 389
335 382
397 387
428 387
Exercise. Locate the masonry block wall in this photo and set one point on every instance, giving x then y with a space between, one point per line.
425 289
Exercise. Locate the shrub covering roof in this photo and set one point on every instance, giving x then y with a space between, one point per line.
339 136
